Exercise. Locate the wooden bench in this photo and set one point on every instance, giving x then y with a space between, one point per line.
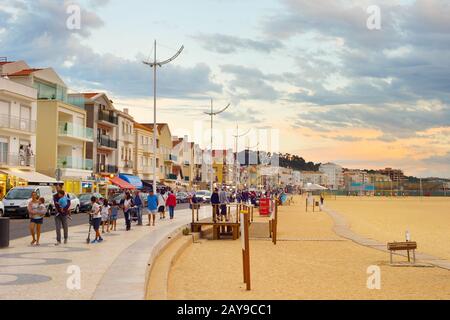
219 228
403 246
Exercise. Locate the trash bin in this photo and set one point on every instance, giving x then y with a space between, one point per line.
4 232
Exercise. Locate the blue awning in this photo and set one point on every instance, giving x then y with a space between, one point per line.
133 180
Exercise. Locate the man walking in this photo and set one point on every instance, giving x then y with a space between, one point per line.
223 199
152 206
139 207
62 205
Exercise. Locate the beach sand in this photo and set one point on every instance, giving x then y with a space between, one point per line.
387 219
309 262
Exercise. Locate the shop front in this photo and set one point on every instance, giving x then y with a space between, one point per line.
17 178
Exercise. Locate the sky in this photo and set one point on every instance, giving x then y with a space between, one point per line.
307 72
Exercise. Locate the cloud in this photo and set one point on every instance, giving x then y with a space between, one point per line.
226 44
250 83
39 35
394 120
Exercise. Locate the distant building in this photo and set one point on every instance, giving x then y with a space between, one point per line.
393 174
335 176
314 177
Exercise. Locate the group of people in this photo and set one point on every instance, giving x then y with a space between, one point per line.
103 214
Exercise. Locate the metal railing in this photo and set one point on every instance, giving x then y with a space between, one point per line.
106 168
108 117
76 131
106 141
170 157
17 160
16 123
75 163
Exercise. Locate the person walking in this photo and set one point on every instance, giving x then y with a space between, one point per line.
162 197
114 215
96 214
127 207
171 204
62 206
215 203
223 199
37 217
106 213
139 207
152 206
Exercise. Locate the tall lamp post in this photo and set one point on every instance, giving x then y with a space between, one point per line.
212 114
154 65
236 137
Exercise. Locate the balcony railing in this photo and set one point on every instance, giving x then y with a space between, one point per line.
170 157
16 123
108 117
16 160
76 131
172 176
106 168
128 137
75 163
106 141
128 164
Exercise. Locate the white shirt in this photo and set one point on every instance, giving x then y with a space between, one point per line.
105 211
162 200
96 211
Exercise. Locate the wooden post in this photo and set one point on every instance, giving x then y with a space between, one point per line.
245 222
275 225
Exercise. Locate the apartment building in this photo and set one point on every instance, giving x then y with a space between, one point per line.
143 153
125 143
102 118
314 177
184 167
18 114
61 130
393 174
65 159
335 176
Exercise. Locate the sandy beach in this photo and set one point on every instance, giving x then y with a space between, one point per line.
387 219
309 262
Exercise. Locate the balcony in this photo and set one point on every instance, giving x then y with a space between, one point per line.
106 142
17 124
108 117
186 163
170 158
171 177
16 160
128 137
71 130
75 163
106 168
128 164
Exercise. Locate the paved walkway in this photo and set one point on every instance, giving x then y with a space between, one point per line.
343 229
114 269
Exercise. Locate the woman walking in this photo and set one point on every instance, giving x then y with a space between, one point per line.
171 203
37 217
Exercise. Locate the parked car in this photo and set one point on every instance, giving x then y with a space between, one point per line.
182 197
17 199
203 196
74 203
2 208
85 201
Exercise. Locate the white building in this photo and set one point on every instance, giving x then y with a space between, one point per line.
335 176
314 177
125 142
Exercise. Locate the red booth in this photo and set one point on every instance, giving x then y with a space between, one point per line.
264 207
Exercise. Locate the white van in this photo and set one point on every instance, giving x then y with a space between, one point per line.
17 199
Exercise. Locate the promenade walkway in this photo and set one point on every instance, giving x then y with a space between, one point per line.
114 269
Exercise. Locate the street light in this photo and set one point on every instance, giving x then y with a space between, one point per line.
212 114
236 137
153 65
